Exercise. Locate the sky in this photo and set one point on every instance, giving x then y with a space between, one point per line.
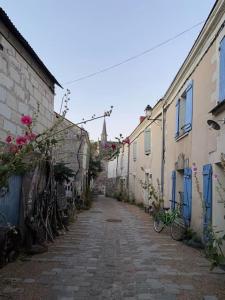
77 37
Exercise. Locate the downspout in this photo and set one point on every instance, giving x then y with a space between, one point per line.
116 170
163 151
128 171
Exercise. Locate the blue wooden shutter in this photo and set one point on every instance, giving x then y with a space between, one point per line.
173 204
207 197
177 117
189 107
222 71
187 195
147 140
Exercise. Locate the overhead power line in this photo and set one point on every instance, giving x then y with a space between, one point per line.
133 57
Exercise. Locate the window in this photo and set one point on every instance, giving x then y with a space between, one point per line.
222 71
184 111
147 141
135 151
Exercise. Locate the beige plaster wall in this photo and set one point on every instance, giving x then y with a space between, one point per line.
202 145
150 163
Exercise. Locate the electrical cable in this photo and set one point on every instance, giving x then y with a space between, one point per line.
133 57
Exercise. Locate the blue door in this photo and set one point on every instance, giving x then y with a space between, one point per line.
187 200
207 198
10 201
173 202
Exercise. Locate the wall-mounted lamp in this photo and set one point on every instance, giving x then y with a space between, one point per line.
148 113
214 125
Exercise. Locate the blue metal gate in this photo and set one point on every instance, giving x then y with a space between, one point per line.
10 200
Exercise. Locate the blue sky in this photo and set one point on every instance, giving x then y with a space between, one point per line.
78 37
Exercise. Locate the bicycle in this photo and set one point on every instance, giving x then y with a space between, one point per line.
173 218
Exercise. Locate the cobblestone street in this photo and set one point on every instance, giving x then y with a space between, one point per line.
112 252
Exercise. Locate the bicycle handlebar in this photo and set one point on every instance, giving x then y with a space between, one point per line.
182 204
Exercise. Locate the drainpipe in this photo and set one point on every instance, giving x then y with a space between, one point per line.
116 170
128 170
163 150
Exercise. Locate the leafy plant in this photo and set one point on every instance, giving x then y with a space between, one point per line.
154 194
214 240
62 173
213 248
19 154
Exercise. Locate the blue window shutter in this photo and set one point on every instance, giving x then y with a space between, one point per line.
189 107
207 197
173 204
222 71
187 200
177 117
147 140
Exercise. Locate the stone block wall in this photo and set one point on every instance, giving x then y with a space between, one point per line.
73 150
21 89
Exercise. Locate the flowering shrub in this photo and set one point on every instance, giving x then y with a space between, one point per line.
21 153
113 149
15 149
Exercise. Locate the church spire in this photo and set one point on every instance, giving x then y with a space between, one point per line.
104 133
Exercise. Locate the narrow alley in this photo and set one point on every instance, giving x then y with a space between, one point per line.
112 252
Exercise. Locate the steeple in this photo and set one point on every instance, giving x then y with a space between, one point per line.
104 133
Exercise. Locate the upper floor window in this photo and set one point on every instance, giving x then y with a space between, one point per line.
184 111
222 71
135 150
147 141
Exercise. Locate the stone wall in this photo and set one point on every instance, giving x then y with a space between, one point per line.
73 150
21 89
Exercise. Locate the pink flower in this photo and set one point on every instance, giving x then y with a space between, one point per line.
113 146
21 140
30 136
9 139
126 141
215 176
26 120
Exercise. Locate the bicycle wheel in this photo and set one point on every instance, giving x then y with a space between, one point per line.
158 224
177 229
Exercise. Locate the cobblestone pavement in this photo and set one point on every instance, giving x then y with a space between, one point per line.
101 259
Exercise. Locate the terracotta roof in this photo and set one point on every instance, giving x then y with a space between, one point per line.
8 23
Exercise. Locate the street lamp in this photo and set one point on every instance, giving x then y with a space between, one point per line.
148 113
214 125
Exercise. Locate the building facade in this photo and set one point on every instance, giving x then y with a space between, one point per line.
193 149
117 173
73 150
25 82
180 148
145 156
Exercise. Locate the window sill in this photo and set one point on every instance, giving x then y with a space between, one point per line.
220 107
181 136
